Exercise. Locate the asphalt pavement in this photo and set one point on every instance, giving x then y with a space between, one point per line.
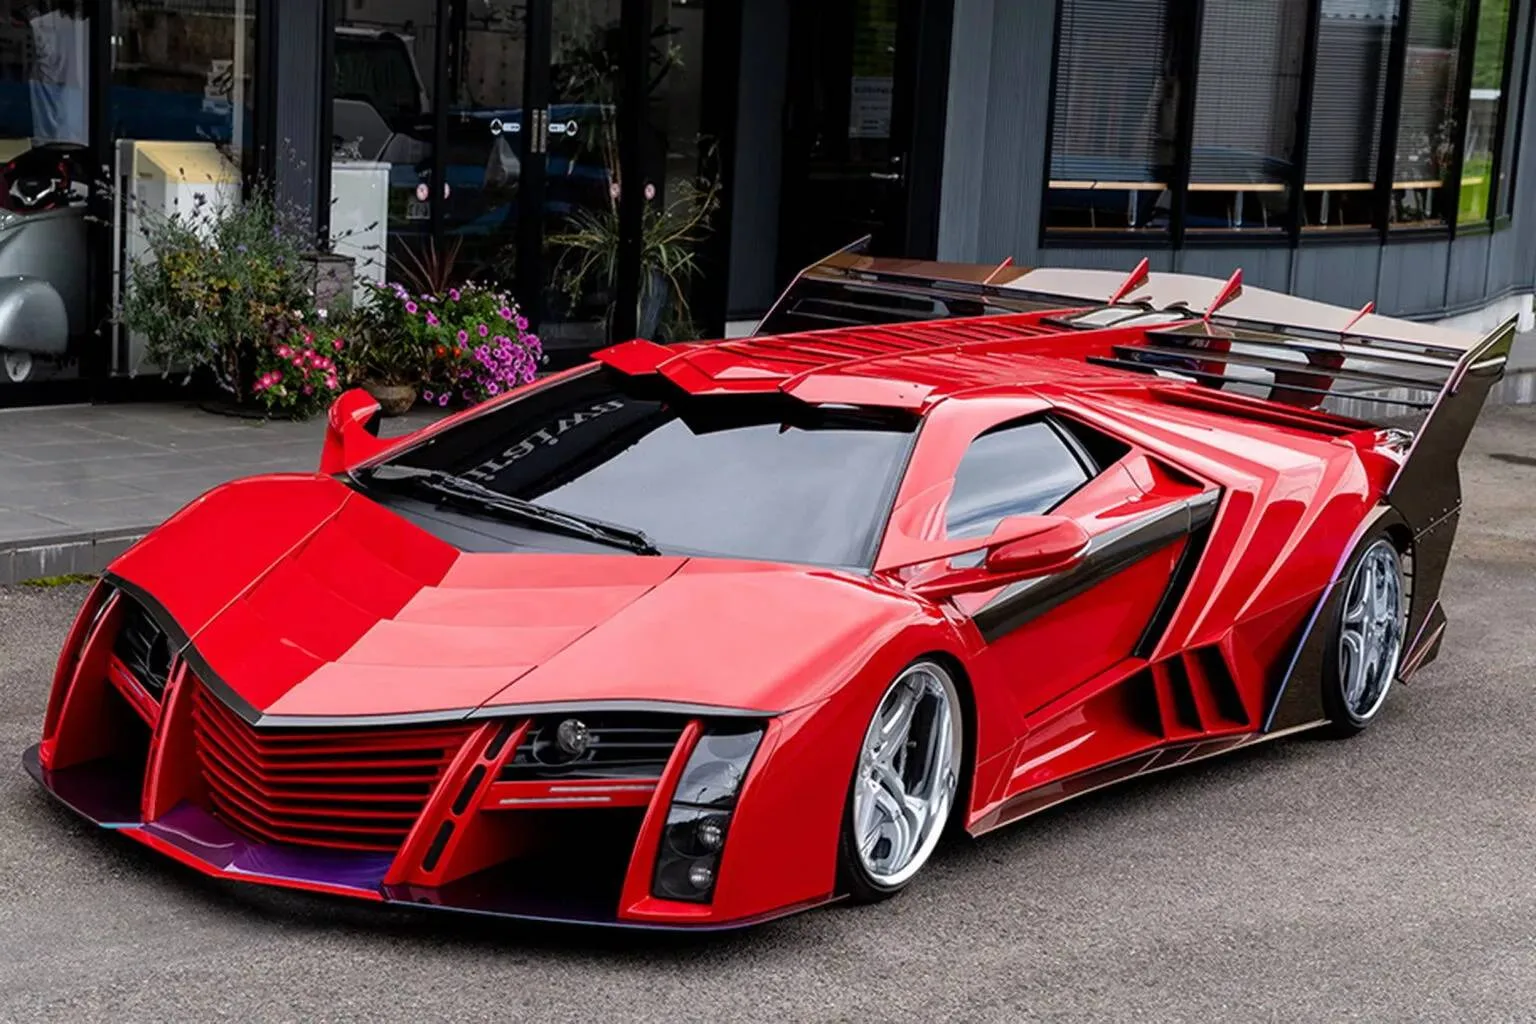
1388 878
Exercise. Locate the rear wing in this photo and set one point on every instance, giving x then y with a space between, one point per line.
1355 365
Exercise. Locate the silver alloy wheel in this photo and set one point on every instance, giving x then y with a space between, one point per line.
909 768
18 366
1371 634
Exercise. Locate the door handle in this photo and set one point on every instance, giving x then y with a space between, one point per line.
885 175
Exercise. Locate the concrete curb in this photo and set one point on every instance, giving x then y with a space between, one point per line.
67 554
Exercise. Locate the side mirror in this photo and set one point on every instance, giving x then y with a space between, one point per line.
351 432
1057 543
1022 547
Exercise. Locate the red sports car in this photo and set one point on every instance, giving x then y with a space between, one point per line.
699 635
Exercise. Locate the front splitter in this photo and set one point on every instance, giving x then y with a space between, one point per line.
191 836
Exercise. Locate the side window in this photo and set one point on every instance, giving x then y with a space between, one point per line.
1018 469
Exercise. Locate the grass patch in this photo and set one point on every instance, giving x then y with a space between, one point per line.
67 580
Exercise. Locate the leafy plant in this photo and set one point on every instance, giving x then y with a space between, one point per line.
429 271
670 236
218 284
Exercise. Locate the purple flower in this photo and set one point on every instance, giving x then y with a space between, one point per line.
426 396
493 389
505 312
443 401
453 294
432 320
411 308
522 323
485 331
463 337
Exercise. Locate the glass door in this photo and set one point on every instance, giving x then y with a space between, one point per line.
845 149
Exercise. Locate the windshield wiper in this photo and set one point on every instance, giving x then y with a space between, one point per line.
466 491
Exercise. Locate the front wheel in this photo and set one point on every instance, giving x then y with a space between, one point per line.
904 784
1368 638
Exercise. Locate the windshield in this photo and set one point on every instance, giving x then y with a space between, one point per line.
758 476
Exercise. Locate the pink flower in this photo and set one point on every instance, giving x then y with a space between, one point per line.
485 331
453 293
411 308
522 323
493 390
283 351
505 312
308 389
463 337
426 396
432 320
338 344
442 401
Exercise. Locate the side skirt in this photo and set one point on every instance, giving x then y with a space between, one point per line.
1034 801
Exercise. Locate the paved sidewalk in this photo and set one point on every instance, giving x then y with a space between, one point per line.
78 484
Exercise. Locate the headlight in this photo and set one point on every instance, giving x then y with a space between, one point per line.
688 861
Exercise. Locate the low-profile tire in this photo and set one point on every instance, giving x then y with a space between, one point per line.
904 784
1366 636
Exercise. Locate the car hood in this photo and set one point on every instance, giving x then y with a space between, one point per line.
301 597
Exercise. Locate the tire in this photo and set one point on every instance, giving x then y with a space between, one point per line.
1366 637
910 759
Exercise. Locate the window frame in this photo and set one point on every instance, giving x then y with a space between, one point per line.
1188 20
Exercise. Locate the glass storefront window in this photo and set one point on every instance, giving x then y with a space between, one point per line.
182 72
1246 94
1427 132
1484 108
44 185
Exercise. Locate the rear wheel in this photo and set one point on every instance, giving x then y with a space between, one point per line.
904 784
1368 637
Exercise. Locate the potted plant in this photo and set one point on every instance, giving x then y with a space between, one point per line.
458 348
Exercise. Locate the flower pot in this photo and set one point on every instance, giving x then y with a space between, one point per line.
393 399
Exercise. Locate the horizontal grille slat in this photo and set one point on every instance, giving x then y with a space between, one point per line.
360 790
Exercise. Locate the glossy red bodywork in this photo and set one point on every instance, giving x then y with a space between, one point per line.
313 606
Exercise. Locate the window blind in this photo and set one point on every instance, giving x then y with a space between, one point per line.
1113 109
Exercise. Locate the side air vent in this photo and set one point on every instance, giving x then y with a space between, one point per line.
143 648
597 746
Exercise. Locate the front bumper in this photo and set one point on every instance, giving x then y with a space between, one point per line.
551 890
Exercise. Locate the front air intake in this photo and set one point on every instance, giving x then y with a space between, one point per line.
354 789
143 648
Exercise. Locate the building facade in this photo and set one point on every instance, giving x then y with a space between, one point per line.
697 153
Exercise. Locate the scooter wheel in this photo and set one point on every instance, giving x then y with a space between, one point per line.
18 366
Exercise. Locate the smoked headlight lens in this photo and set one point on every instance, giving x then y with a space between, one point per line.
687 864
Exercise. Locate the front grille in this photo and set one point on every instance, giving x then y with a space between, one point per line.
619 746
355 789
142 646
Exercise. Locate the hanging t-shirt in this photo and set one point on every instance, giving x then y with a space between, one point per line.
60 75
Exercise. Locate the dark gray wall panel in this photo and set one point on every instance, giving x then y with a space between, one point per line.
1468 284
965 133
1016 117
759 157
1262 268
1413 278
296 146
1341 274
1108 258
1504 271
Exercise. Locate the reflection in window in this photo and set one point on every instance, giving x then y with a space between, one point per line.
1020 470
1114 117
1245 114
1354 42
1427 131
181 72
1484 109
